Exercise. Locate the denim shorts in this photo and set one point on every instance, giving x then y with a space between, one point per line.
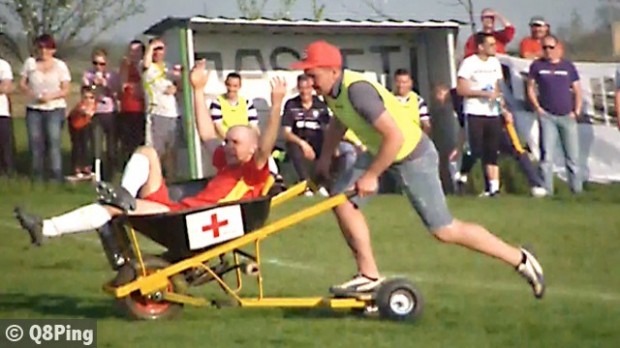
419 178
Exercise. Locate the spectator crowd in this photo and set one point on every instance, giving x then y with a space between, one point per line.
487 119
139 103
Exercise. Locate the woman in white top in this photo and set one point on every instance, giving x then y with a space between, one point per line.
46 81
7 163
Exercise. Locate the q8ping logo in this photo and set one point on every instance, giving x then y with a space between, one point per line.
49 333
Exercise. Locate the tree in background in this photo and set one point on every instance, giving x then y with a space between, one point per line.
73 23
254 9
608 13
469 7
318 10
378 9
590 44
251 9
285 10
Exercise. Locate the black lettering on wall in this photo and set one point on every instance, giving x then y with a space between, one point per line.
346 52
384 52
214 57
275 54
249 53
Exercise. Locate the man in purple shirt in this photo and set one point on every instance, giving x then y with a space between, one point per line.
557 106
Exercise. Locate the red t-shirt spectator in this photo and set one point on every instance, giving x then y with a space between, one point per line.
132 96
246 178
531 46
503 38
81 115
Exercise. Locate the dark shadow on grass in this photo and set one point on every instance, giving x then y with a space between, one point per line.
60 305
328 314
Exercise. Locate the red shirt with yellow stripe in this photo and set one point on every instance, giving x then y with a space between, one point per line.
245 181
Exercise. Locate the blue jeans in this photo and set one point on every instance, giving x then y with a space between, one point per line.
563 129
44 136
348 156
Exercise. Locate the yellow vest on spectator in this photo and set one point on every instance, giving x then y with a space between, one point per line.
233 115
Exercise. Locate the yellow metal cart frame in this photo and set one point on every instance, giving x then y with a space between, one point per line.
161 284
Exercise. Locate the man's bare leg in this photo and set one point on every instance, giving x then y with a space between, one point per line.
478 238
492 171
356 232
143 174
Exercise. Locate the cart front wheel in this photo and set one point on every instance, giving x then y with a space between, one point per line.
151 306
398 299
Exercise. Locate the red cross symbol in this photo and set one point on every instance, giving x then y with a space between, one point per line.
214 226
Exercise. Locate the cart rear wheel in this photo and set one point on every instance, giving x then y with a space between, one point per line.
152 306
398 299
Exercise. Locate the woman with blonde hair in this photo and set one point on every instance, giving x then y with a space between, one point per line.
104 82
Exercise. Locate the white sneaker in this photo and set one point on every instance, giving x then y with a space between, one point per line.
323 192
538 192
358 284
308 193
532 271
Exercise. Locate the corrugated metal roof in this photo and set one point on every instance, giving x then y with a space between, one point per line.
171 22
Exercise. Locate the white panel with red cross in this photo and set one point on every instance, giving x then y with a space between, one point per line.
214 226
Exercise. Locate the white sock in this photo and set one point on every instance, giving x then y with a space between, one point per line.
273 167
86 218
494 185
136 173
461 177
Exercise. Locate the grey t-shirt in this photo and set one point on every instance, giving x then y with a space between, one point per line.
366 100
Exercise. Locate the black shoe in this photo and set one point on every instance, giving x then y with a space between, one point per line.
116 196
31 223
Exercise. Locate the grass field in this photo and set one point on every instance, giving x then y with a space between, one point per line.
471 301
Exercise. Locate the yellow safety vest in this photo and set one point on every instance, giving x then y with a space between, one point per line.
148 85
350 136
412 103
233 115
370 137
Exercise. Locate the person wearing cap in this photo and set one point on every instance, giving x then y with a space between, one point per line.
531 46
394 143
502 37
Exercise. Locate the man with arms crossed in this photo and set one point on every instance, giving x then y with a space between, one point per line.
384 126
241 163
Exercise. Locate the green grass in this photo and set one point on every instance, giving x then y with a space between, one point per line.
471 301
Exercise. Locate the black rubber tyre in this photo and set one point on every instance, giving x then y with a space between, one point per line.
398 299
140 307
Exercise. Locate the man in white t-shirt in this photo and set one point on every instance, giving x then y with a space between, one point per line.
6 125
478 83
161 85
618 96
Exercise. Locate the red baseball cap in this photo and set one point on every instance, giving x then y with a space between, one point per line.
319 54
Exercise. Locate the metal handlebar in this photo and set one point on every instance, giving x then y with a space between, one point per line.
314 183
